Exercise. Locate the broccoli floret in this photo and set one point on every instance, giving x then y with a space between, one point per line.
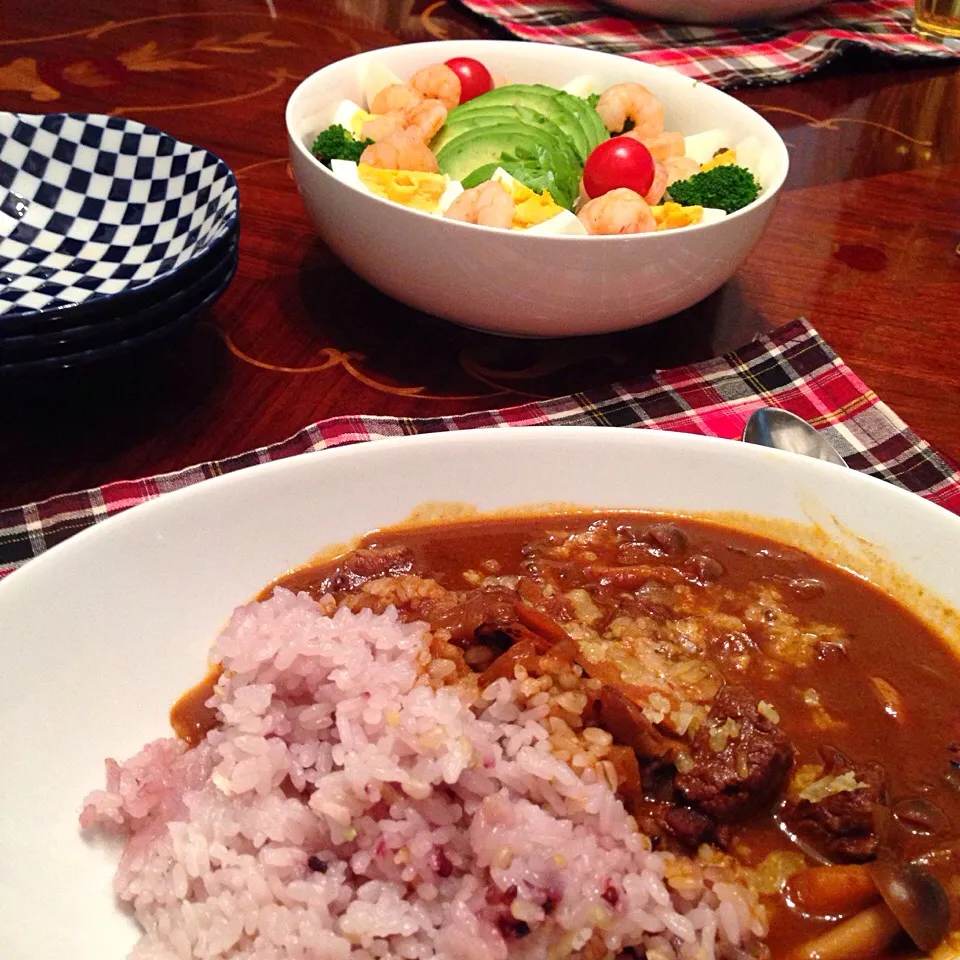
726 188
593 99
337 143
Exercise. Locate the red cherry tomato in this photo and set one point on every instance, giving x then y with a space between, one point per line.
474 77
618 162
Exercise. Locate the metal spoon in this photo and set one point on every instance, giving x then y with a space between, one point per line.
773 427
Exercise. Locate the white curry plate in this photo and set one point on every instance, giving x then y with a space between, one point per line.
100 635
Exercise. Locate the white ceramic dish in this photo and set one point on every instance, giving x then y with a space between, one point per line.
522 285
99 636
718 11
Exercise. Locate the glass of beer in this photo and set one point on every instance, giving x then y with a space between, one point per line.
939 19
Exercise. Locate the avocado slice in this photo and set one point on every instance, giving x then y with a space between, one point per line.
535 100
497 114
579 120
588 118
530 154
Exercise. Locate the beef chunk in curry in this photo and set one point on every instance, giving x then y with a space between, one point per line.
739 759
841 824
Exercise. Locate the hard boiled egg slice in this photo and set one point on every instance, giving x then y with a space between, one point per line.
712 215
563 223
537 213
748 152
583 86
454 189
673 216
377 77
351 117
750 155
428 192
702 146
346 170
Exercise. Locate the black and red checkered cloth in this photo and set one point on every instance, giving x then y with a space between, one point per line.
792 368
725 56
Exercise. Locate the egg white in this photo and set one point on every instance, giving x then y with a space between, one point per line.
582 86
750 155
501 176
345 112
702 146
564 223
347 172
454 189
712 215
377 77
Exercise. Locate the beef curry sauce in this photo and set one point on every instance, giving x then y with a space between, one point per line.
763 703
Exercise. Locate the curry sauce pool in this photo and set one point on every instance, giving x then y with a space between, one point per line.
570 736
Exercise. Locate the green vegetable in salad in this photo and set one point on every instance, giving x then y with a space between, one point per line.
480 175
337 143
593 99
533 168
727 188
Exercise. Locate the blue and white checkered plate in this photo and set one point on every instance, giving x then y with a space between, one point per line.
99 214
107 336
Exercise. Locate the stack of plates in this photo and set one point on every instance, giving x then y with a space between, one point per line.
112 236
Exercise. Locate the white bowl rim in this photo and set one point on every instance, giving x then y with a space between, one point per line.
790 461
768 196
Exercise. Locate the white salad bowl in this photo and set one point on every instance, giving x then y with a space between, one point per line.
100 635
718 11
504 281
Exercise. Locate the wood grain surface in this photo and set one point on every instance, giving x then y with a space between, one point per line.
864 243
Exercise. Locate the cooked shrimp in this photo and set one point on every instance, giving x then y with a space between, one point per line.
679 168
659 186
625 102
396 96
401 151
489 205
438 82
425 119
663 146
379 128
619 211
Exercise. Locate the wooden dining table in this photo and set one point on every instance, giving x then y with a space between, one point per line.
865 243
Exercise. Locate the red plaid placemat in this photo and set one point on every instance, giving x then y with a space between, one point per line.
792 368
725 56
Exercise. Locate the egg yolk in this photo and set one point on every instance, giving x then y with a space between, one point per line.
531 208
725 158
422 191
358 120
669 216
